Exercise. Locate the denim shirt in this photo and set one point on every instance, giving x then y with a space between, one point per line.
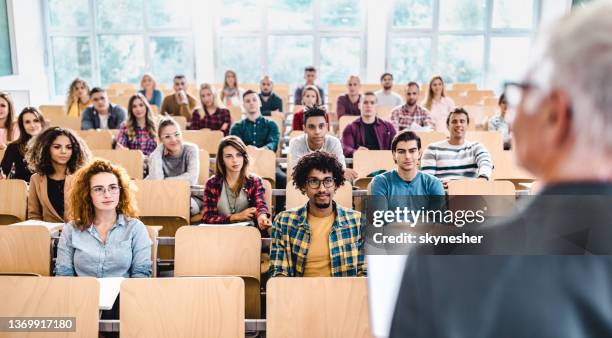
127 252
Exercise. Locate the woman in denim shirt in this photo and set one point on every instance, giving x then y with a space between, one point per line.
105 239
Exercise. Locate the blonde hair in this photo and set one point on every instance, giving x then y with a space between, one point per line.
72 88
150 76
314 89
430 93
216 102
226 85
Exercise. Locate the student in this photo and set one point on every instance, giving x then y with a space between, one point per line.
180 103
270 102
457 158
310 98
9 131
348 104
148 88
211 114
322 238
406 179
437 103
77 98
102 114
139 131
310 76
233 194
255 130
386 96
54 156
31 122
316 138
104 238
367 132
231 95
500 122
411 115
174 159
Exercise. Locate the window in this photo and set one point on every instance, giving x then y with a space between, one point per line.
108 41
6 59
480 41
287 35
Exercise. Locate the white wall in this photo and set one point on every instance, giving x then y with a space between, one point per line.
30 49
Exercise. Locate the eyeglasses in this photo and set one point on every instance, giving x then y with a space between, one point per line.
101 191
513 91
315 183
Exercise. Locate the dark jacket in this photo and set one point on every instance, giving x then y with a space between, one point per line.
562 295
353 135
90 118
274 103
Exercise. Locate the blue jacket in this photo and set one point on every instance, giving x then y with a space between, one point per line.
90 118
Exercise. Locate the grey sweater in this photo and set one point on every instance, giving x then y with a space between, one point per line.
186 166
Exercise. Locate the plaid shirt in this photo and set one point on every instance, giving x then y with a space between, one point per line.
143 141
291 240
212 122
253 186
402 118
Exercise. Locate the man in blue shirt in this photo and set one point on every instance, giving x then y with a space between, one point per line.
406 180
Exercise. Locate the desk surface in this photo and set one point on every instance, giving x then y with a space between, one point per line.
109 289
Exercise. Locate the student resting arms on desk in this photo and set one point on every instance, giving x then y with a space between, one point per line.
105 239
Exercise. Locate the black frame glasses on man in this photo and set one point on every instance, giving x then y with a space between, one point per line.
315 183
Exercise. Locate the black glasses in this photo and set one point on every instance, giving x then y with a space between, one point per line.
513 92
315 183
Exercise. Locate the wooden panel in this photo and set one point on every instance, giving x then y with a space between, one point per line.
120 87
428 137
97 139
182 307
263 162
295 198
205 139
463 87
131 160
235 114
317 307
384 112
68 122
492 140
51 297
204 167
153 231
181 121
345 121
13 199
368 161
507 168
25 249
52 110
163 198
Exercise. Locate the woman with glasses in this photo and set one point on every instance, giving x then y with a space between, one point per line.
105 239
53 156
348 104
233 194
310 98
30 122
174 159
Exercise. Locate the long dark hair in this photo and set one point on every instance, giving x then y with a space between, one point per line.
8 124
131 120
24 137
221 170
38 155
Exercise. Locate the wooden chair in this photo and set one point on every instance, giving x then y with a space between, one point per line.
235 114
480 94
68 122
206 139
366 162
52 297
222 251
153 231
268 195
181 120
131 160
164 202
25 249
384 112
481 188
13 201
494 198
491 101
295 198
492 140
120 87
343 122
317 307
121 100
182 307
204 167
464 87
428 137
52 110
479 114
97 139
507 168
263 163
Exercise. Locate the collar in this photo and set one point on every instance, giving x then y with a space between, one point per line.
121 221
246 119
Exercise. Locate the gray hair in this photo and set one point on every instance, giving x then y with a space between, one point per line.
577 57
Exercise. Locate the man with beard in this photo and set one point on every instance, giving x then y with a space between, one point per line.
457 158
322 238
386 96
411 115
270 102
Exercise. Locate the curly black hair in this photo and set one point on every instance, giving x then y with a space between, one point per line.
320 160
38 155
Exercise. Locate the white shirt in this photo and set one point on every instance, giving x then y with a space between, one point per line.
392 99
439 112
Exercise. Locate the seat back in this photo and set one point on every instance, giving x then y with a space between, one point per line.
317 307
52 297
205 139
131 160
263 162
97 139
13 201
25 249
164 202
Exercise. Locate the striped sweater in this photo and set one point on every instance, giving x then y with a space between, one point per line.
449 162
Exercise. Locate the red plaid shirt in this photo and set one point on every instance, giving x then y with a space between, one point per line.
402 118
254 188
142 140
202 119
